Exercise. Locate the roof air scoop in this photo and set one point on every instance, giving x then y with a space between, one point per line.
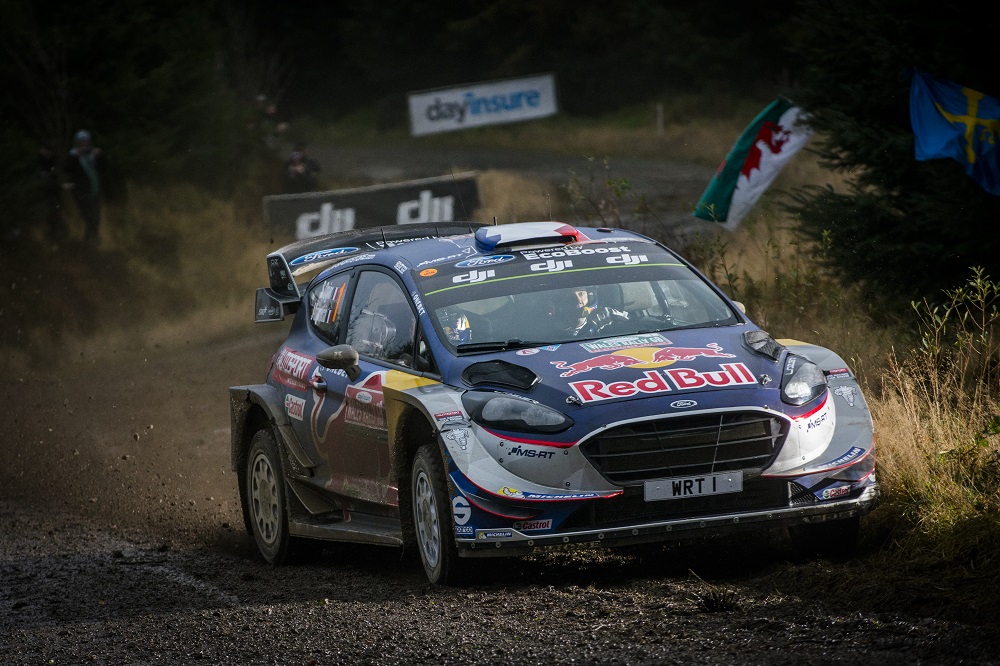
499 237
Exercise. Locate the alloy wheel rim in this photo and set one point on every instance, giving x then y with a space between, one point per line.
264 499
428 529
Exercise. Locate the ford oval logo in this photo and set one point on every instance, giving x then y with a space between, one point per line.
363 397
491 260
319 255
683 404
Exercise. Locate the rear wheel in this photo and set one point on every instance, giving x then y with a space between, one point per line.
265 507
432 519
830 539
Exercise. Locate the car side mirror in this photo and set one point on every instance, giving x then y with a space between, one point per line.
340 357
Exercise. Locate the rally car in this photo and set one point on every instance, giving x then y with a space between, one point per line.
485 390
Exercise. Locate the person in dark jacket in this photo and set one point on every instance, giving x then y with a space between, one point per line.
300 171
85 170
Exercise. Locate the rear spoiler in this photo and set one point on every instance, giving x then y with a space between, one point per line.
282 296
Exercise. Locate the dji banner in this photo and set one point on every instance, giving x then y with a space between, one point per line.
443 199
509 101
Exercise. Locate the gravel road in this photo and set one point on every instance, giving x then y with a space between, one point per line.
121 542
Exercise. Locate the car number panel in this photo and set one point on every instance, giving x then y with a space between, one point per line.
693 486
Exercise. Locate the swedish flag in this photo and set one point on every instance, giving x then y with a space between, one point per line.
950 120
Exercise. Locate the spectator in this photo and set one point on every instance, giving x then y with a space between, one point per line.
85 168
300 171
49 190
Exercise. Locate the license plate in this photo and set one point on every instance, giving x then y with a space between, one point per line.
694 486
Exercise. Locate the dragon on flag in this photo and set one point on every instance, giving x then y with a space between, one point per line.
755 160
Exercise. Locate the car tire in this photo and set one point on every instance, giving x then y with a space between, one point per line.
432 519
832 539
265 507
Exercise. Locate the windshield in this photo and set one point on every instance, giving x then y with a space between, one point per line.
577 292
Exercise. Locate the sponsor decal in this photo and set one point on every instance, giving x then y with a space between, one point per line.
818 417
427 272
838 373
320 255
429 262
461 510
400 267
292 368
848 393
464 530
551 266
365 405
628 259
360 257
640 358
625 341
417 302
526 352
830 493
790 364
460 436
556 253
269 311
494 534
474 276
683 404
525 452
507 491
491 260
528 525
854 454
295 407
377 245
446 417
816 421
662 381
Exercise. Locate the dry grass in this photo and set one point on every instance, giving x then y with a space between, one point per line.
509 197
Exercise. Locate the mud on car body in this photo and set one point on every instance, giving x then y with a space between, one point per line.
482 391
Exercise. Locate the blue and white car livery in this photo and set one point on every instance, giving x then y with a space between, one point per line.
483 391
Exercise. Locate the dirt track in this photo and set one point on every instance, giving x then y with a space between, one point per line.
122 543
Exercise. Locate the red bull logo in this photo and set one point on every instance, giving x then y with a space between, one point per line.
662 381
640 357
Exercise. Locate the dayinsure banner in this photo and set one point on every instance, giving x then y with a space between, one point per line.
755 160
956 122
513 100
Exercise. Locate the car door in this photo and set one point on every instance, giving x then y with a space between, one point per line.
313 395
381 327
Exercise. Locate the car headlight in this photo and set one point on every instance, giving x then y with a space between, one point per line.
507 412
801 381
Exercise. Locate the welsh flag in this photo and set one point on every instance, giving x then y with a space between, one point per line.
759 155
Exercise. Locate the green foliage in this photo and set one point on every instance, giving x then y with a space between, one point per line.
940 472
906 228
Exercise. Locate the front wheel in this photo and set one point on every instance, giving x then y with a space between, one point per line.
432 519
265 508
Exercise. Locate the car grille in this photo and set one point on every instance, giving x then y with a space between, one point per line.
698 444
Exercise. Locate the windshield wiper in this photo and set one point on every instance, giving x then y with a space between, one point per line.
513 343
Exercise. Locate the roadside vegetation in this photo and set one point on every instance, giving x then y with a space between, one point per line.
178 262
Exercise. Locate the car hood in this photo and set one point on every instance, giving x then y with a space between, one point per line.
714 363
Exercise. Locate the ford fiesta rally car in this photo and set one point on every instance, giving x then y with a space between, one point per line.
482 391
